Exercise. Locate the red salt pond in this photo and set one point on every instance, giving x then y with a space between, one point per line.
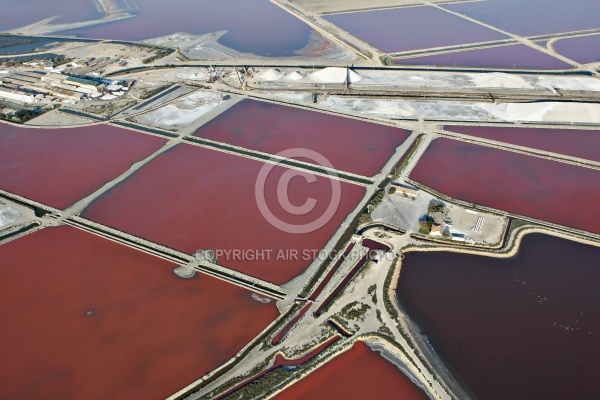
359 373
506 57
58 167
16 14
192 198
525 185
583 49
571 142
350 145
533 17
84 317
412 28
519 328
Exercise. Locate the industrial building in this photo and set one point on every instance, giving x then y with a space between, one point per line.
406 190
86 84
15 95
55 84
436 230
28 86
458 237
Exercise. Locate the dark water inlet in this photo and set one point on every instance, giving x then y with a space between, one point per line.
518 328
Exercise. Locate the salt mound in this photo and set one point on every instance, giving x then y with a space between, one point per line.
500 80
272 75
549 112
294 76
334 75
527 111
8 215
393 108
573 112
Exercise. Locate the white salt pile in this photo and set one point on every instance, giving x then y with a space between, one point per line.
500 80
546 112
8 215
184 112
402 109
294 76
334 75
528 111
272 75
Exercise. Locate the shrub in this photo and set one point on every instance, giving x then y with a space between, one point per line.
436 206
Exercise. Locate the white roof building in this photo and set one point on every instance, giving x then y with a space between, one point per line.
16 95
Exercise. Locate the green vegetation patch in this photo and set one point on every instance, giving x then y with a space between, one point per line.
354 311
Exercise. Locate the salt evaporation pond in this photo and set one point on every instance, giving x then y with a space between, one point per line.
259 27
583 49
350 145
535 187
412 28
58 167
85 317
359 373
192 198
506 57
571 142
519 328
17 14
533 17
